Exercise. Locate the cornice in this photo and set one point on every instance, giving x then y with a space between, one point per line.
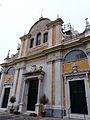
76 74
47 51
77 42
24 37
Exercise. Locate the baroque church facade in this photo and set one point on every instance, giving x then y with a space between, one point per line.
51 61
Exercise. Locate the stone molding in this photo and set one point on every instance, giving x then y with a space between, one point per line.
88 51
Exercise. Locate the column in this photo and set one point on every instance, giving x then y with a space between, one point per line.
37 109
39 90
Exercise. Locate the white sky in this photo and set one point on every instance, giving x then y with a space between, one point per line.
17 16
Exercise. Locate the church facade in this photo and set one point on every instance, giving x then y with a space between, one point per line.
51 61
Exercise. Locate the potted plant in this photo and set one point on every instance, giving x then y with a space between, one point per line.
12 100
43 101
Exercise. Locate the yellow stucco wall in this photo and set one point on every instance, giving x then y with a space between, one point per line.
54 36
53 83
82 65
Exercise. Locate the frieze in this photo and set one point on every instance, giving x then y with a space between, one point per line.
75 77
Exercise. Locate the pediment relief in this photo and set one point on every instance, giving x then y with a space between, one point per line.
34 72
35 68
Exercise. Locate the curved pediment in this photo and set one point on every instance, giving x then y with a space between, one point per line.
39 26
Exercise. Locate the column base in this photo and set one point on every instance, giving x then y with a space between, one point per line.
21 107
37 108
55 111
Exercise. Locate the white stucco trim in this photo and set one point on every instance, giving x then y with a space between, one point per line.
68 112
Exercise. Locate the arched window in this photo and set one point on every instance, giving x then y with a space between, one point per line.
45 37
74 55
38 39
31 43
11 71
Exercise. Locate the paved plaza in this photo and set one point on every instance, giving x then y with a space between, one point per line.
8 116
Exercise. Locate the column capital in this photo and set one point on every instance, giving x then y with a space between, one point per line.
3 70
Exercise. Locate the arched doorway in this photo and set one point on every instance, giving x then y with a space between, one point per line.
75 67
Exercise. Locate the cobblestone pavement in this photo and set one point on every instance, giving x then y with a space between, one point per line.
8 116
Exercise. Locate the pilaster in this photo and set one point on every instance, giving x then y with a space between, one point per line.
20 86
15 81
58 34
48 89
38 97
59 85
2 80
50 37
21 105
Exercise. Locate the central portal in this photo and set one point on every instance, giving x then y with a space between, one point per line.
32 94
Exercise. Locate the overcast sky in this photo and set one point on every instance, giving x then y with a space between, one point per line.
17 16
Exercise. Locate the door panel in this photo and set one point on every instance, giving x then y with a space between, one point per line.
78 102
32 94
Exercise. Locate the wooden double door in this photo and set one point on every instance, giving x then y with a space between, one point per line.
78 101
